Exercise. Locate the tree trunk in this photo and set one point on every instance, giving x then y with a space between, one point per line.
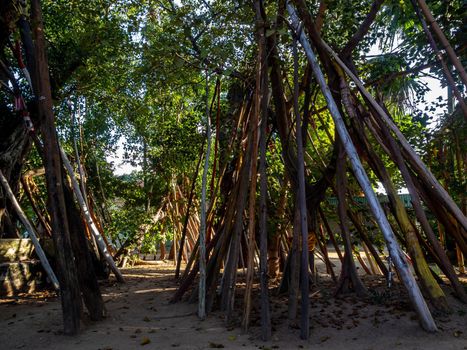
70 291
86 273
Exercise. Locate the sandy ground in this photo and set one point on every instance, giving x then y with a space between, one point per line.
140 317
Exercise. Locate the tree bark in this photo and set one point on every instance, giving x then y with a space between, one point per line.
254 120
69 287
86 272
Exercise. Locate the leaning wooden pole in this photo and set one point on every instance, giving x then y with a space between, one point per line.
397 256
32 232
440 58
87 217
443 40
263 183
253 181
187 214
418 164
304 276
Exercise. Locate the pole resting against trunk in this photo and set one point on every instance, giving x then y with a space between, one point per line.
400 262
89 221
32 232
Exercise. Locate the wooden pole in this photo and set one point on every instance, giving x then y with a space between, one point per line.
25 183
263 184
304 276
432 182
202 229
444 42
70 294
253 179
452 84
187 214
399 260
32 232
87 216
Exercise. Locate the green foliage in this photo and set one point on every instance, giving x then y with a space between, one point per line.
134 73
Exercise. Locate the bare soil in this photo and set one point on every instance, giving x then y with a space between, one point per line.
140 317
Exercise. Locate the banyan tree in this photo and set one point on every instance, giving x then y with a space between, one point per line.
262 131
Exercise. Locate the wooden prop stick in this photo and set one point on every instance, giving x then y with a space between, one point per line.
187 214
252 195
27 190
266 327
438 190
31 231
439 56
304 276
87 216
398 258
202 230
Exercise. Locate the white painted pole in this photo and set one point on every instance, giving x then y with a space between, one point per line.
32 233
399 260
87 216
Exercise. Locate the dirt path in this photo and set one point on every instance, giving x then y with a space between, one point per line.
138 312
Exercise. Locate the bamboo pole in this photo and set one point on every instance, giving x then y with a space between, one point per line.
399 260
32 232
87 216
